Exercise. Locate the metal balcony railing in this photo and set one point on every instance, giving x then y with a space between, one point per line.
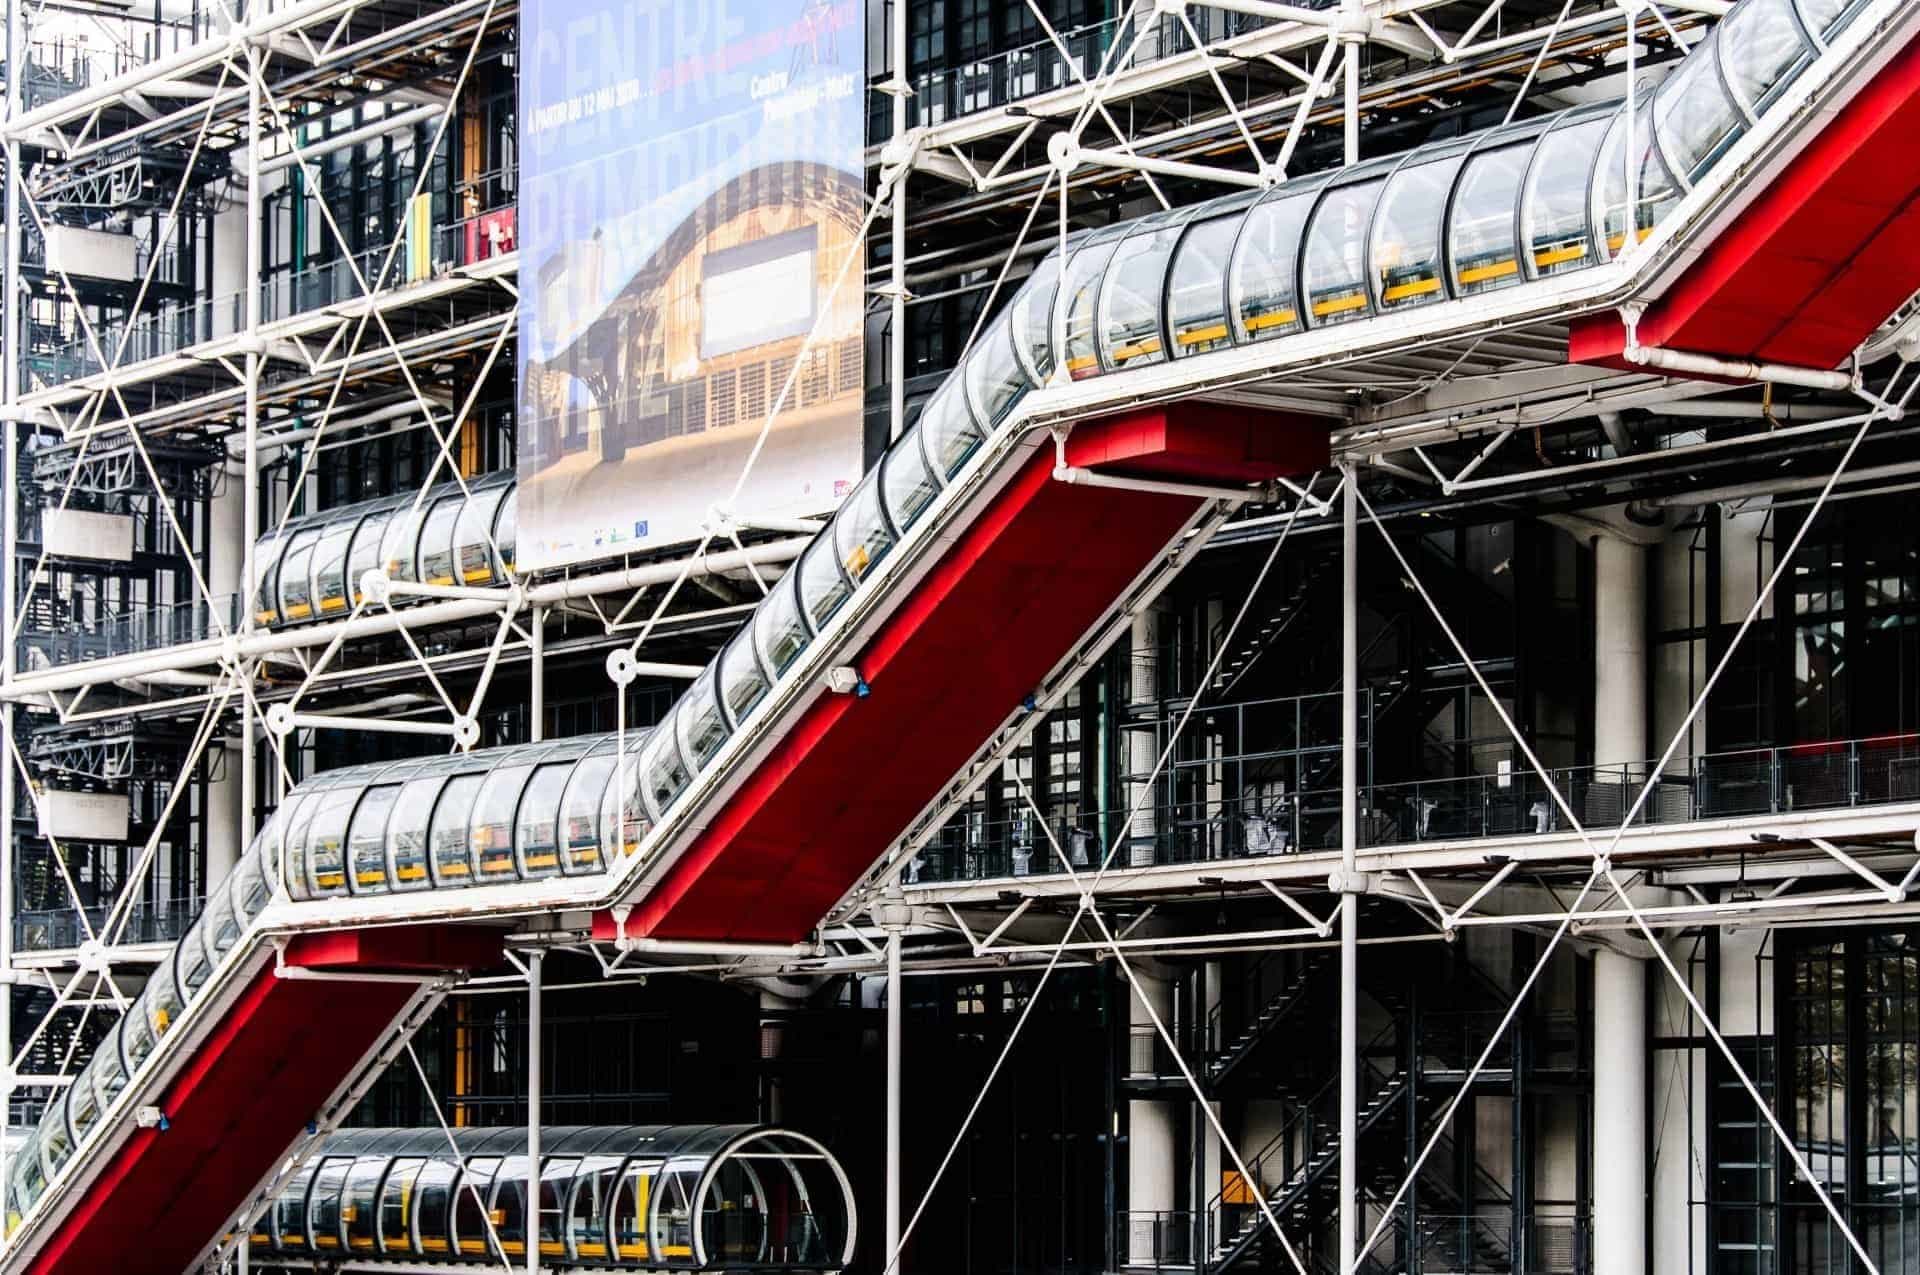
1835 774
62 355
1153 1239
1042 66
59 929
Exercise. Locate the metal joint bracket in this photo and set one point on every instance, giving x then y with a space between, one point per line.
1340 881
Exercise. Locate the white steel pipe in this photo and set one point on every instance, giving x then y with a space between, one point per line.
1688 364
353 137
1170 167
380 725
535 960
1075 476
895 999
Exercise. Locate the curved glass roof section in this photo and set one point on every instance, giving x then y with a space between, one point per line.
1442 222
633 1197
311 568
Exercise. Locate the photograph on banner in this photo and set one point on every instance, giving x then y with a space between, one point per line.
691 189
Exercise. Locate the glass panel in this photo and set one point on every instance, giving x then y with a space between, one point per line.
399 546
83 1105
662 774
436 540
1828 16
580 812
364 554
1131 301
1082 290
108 1070
266 570
1261 283
397 1201
218 924
358 1213
672 1228
741 681
163 1002
296 585
506 530
469 1222
451 847
1196 287
908 484
947 432
1406 234
556 1177
190 963
631 1205
407 831
1553 217
327 839
588 1206
777 626
537 839
625 780
1032 312
823 587
136 1035
860 532
472 537
510 1204
1334 270
493 822
702 728
1696 118
994 376
367 840
323 1204
1656 192
1762 48
56 1143
330 566
433 1208
248 885
289 1213
1485 212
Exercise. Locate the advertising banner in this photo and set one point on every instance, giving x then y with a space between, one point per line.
691 188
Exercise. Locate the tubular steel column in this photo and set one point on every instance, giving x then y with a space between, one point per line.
534 962
897 319
895 998
1349 853
250 466
537 675
9 535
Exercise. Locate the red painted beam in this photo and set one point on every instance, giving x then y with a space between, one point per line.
1816 262
243 1098
1017 589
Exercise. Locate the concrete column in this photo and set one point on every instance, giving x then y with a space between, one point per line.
223 818
1619 652
1154 1158
1143 749
229 269
1619 1115
1744 564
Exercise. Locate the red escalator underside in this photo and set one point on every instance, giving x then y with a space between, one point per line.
1010 598
1829 249
244 1097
